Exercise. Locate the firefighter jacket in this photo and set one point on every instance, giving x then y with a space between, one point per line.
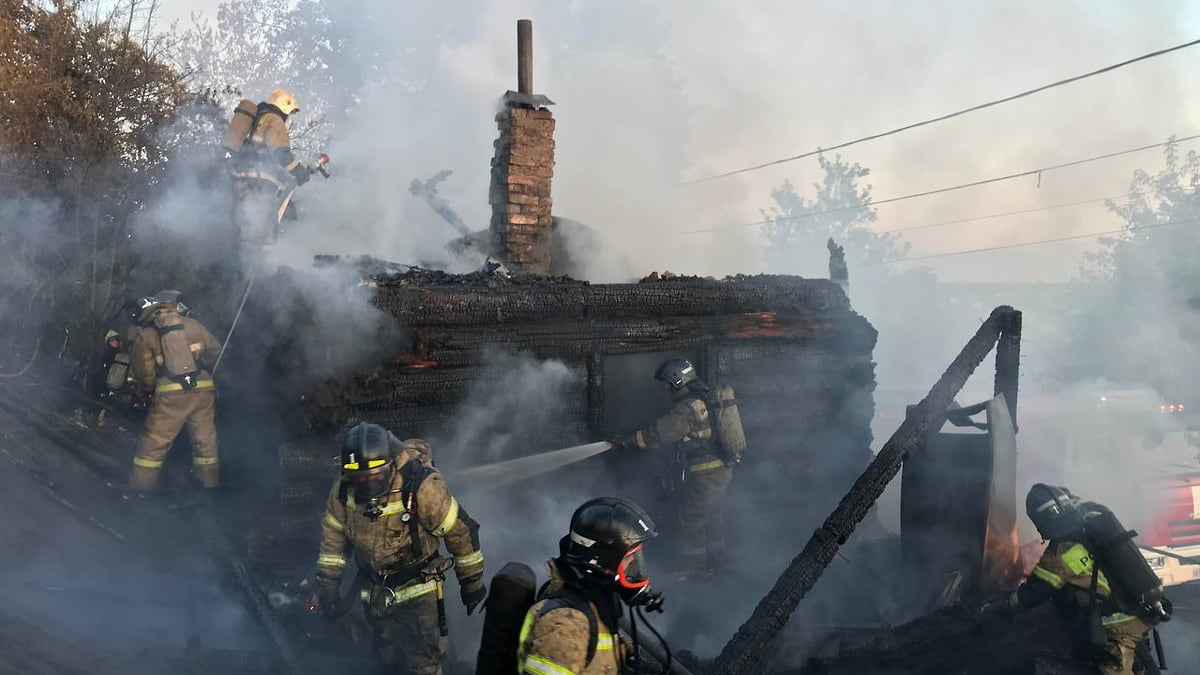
687 427
565 633
1064 575
384 547
146 357
267 154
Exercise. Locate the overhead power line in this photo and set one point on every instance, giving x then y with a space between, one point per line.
1039 242
1005 214
951 188
942 118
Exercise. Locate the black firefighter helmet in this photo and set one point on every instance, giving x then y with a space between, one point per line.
368 460
676 372
604 547
1053 511
145 307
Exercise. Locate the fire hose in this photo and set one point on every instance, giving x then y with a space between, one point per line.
316 167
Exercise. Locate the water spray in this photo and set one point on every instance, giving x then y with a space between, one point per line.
503 473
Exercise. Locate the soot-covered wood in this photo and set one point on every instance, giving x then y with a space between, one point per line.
798 357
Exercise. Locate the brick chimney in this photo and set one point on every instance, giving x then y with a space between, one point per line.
522 169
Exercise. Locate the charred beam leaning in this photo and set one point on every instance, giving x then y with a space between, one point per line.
1008 361
751 644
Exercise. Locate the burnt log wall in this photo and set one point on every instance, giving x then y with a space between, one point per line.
796 354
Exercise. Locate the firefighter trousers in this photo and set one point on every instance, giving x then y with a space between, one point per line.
169 412
407 637
701 514
1123 639
257 213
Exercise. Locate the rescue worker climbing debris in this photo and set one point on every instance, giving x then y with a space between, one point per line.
1099 581
704 459
170 357
573 627
264 167
391 510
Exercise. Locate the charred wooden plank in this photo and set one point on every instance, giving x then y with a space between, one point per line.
745 652
443 300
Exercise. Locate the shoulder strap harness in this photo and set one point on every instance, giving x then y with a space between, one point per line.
564 598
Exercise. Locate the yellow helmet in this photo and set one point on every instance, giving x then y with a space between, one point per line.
283 99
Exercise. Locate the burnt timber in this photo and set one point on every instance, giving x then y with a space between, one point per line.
797 355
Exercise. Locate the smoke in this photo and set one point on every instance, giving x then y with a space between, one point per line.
649 94
514 409
514 406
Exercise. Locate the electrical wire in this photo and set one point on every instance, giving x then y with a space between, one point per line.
1038 242
942 118
951 188
1004 214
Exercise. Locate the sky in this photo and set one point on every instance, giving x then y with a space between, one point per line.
650 94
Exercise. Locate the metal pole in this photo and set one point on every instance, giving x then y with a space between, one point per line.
232 326
524 56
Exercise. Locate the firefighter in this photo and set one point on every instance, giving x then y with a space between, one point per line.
573 627
1066 573
705 472
102 381
264 168
391 510
170 358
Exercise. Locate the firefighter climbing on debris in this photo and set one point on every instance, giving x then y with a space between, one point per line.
573 627
171 357
704 429
391 509
258 144
1099 580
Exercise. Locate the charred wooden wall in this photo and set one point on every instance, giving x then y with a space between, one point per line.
796 354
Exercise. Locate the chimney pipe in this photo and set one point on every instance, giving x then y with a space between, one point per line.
524 56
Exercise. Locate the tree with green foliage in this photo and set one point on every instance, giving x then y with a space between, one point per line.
840 209
80 154
1137 319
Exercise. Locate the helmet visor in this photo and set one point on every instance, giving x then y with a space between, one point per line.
371 483
631 571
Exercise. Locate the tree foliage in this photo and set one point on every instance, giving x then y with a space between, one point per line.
840 209
1137 320
82 102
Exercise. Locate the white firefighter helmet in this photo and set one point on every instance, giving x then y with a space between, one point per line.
283 99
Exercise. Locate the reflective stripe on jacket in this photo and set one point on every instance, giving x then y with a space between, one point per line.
555 642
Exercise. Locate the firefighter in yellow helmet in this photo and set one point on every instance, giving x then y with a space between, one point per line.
265 168
392 511
1070 574
170 358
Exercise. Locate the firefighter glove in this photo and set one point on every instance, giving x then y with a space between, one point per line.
624 442
472 593
330 601
302 174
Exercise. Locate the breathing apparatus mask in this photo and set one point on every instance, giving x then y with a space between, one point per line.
369 465
633 582
372 484
604 547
